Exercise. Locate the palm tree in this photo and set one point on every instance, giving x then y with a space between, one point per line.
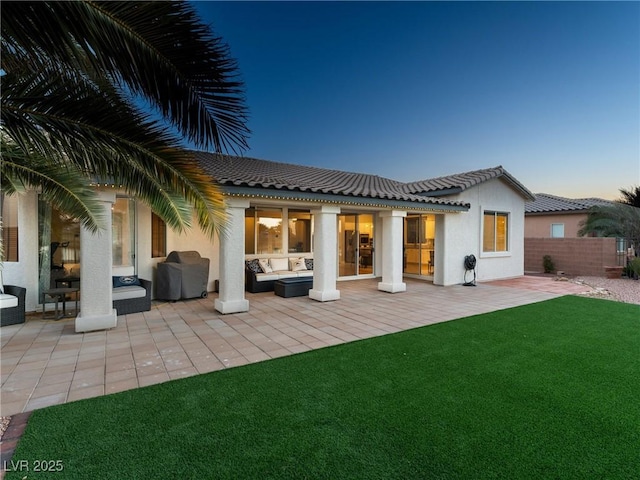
631 196
113 91
616 220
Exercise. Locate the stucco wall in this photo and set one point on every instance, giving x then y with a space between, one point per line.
539 226
193 239
574 256
24 272
461 235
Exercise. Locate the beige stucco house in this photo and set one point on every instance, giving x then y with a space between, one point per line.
551 229
353 226
550 216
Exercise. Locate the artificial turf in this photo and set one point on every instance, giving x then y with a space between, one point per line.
549 390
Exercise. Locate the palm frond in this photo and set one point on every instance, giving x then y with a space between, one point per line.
159 50
630 196
64 188
618 220
72 70
47 113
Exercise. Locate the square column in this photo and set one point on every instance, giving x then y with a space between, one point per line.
325 255
392 243
231 296
96 285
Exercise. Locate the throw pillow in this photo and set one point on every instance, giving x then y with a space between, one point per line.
126 281
264 265
298 264
1 284
254 266
279 264
309 263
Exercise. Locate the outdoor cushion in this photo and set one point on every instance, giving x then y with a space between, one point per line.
263 277
265 266
8 301
286 274
254 266
305 273
278 264
125 281
125 293
297 264
1 284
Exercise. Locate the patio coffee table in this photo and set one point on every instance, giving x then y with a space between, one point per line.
293 287
60 295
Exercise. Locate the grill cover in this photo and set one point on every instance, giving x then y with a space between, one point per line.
183 275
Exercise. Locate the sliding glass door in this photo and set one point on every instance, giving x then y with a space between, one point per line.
355 244
419 236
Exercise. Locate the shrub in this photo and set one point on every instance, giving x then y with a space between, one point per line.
634 266
547 263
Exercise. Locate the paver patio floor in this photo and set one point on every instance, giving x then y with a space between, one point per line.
44 362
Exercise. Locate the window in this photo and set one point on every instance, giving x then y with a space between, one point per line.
250 231
9 210
495 235
299 231
271 230
123 228
158 236
263 232
557 230
58 246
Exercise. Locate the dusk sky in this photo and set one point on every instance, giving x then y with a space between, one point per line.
414 90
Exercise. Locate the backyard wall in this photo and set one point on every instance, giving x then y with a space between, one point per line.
573 256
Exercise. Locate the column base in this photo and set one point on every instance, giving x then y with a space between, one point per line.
231 306
392 287
90 323
324 295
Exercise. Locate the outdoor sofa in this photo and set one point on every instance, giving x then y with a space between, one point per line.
262 273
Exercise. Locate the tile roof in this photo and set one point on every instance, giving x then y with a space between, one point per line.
545 203
252 172
256 173
462 181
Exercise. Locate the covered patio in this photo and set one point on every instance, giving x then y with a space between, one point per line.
44 362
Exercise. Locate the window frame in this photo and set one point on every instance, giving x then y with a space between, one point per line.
556 225
158 236
9 209
507 233
252 226
124 230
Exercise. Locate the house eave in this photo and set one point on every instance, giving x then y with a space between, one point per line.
326 198
556 212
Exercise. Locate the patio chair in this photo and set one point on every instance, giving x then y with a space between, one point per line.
12 305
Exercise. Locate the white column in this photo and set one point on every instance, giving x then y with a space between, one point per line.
441 253
392 243
325 255
96 295
231 296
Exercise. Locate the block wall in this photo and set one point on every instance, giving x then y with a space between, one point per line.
573 256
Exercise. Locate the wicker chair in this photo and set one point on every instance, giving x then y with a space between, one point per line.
13 315
135 305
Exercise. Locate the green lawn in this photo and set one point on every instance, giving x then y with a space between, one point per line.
550 390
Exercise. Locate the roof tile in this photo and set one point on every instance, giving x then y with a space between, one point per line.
545 203
252 172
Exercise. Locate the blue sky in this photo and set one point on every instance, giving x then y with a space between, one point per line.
414 90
